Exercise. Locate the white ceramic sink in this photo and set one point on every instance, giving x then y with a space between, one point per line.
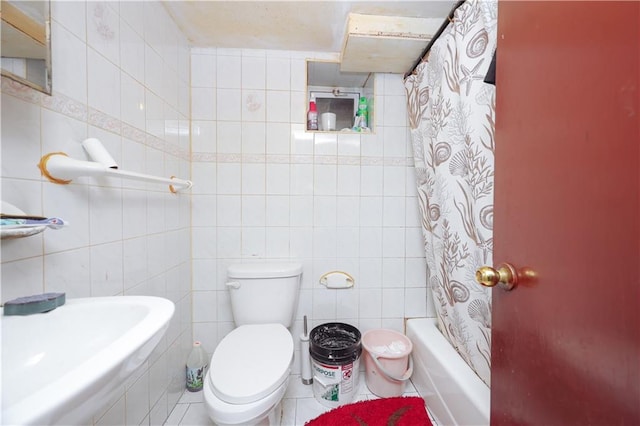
59 367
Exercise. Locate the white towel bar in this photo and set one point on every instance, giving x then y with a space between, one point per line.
60 168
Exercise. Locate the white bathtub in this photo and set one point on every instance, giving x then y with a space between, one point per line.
453 393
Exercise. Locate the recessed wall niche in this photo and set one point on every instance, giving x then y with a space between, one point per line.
340 93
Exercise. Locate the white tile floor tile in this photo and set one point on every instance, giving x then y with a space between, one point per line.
298 406
177 414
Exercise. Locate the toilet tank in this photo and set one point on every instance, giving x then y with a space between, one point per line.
263 293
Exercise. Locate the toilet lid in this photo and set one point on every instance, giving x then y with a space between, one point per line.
251 362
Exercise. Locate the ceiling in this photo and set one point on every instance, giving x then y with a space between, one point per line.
303 25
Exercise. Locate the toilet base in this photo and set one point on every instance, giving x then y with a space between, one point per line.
266 412
273 418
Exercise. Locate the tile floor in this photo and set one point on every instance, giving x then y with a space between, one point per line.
299 405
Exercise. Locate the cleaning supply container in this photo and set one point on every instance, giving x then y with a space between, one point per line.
387 361
335 350
196 367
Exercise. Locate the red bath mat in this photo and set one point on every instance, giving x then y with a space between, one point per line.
398 411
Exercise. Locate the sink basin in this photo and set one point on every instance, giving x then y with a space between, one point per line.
59 367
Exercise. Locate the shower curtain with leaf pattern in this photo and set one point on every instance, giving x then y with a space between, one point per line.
451 115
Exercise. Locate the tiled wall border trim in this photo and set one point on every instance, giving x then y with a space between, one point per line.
71 108
350 160
79 111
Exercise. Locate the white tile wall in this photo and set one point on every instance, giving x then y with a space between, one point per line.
233 121
331 201
121 74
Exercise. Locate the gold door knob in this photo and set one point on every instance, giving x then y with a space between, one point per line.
506 275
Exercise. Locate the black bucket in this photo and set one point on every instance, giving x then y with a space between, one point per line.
335 350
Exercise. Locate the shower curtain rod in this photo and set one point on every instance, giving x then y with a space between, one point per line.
438 33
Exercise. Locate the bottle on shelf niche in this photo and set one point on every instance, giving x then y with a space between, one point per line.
196 367
312 116
363 112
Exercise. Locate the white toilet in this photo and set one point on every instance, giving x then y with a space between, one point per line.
249 370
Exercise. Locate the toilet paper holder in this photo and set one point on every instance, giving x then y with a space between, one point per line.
337 279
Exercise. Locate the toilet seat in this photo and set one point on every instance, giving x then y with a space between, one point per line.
251 362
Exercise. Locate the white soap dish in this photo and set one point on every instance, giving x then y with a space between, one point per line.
8 208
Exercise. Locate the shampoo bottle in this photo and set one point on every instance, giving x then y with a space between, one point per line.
312 117
196 366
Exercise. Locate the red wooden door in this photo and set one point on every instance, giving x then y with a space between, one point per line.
566 346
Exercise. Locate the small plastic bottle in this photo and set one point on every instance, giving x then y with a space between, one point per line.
312 117
196 368
363 112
